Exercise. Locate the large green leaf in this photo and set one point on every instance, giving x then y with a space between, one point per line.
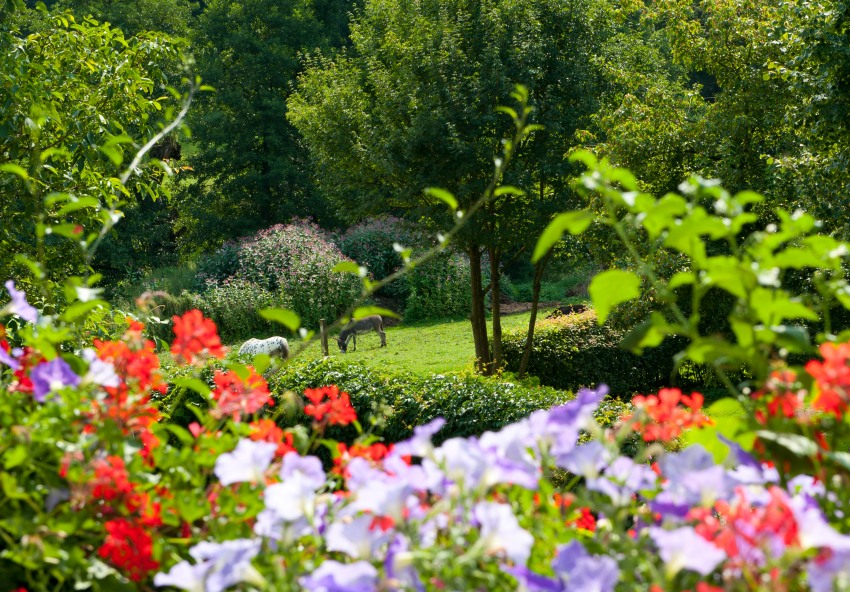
572 222
612 287
287 318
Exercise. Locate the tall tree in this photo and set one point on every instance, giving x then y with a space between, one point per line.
249 166
413 103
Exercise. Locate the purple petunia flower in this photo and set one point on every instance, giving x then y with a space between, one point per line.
693 479
501 531
49 377
420 443
100 372
356 537
575 569
10 361
248 462
305 468
333 576
398 564
683 548
295 497
19 304
558 428
585 460
622 480
185 576
272 526
230 562
833 573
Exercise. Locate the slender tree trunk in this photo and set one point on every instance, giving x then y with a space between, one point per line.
495 295
539 267
477 316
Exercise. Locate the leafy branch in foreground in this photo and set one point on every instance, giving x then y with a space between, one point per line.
711 233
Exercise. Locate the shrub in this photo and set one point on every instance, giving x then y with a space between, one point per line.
370 243
573 351
218 266
234 306
296 260
440 288
397 402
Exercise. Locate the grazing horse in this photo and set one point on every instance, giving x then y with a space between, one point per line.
273 346
365 325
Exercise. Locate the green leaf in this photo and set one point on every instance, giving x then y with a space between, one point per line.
112 153
15 170
346 267
508 189
443 195
728 415
649 333
285 317
195 384
15 456
794 443
612 287
10 487
365 311
681 278
78 309
573 222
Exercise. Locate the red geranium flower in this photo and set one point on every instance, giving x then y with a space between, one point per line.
832 377
195 335
660 417
330 405
129 548
237 397
266 430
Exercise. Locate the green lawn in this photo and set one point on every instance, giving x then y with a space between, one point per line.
429 348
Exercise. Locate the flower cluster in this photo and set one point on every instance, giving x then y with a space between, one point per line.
329 406
661 417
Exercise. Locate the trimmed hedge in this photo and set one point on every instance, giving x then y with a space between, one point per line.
392 404
573 351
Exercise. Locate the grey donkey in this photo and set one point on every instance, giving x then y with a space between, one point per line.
365 325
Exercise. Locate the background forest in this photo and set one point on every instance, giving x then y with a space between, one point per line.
324 123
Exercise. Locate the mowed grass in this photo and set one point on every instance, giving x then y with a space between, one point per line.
428 348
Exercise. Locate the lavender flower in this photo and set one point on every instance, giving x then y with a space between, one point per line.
501 532
272 526
693 479
305 468
10 361
185 576
558 428
586 460
333 576
100 372
575 569
622 480
683 548
50 377
356 537
420 443
230 562
295 497
248 462
19 305
830 574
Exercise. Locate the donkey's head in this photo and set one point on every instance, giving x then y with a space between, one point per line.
343 345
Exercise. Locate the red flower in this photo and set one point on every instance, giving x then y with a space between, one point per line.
832 378
129 548
110 480
660 417
266 430
236 396
337 407
740 527
195 335
373 453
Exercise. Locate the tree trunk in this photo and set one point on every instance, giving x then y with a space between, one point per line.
539 267
495 294
477 316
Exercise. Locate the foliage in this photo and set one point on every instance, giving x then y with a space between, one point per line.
297 260
574 351
438 289
219 265
74 95
372 243
234 305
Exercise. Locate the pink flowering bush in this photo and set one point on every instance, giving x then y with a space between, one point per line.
295 262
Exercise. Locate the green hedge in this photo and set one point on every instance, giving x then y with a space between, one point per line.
573 351
392 404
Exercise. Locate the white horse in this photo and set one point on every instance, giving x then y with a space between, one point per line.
273 346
